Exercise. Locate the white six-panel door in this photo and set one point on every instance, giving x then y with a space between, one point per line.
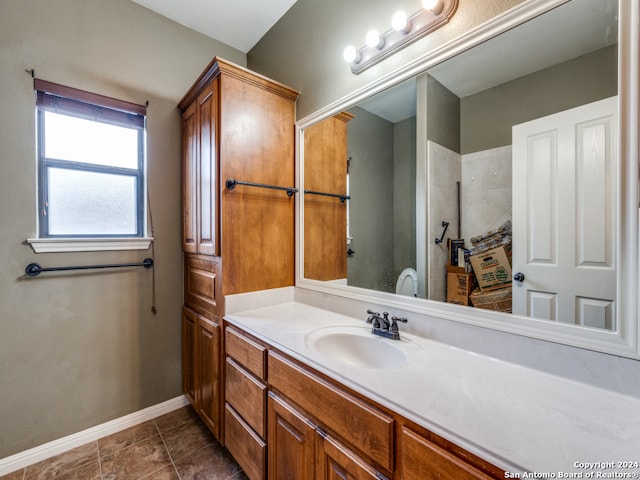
565 178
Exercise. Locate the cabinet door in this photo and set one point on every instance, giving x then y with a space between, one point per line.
423 460
189 179
366 429
189 321
208 373
291 441
336 462
207 178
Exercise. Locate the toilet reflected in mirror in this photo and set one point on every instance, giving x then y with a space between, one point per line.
407 283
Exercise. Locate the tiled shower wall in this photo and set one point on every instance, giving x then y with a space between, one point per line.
485 201
486 190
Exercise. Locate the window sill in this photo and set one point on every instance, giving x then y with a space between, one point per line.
57 245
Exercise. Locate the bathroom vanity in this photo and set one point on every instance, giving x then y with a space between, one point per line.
332 397
287 418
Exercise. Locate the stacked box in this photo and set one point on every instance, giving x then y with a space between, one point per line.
459 285
498 300
492 269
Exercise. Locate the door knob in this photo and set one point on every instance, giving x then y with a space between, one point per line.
519 277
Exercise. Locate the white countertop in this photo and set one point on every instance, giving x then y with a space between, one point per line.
515 417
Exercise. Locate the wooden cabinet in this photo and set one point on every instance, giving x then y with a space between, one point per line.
240 125
291 442
360 425
316 429
201 340
422 459
200 174
236 125
245 403
337 418
300 449
201 366
325 217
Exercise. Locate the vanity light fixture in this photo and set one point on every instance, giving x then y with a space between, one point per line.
374 40
405 30
400 22
434 5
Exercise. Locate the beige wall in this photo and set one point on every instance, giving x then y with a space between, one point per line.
487 116
304 49
79 349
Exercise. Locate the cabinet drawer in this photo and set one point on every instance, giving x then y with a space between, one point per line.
246 352
249 450
423 460
246 395
201 285
360 425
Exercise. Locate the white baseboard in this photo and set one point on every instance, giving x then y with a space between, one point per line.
61 445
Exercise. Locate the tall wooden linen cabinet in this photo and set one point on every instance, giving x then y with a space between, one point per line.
236 125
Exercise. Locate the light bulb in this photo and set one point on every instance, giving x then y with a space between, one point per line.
400 22
350 54
434 5
373 39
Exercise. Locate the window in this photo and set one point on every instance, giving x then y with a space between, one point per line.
91 165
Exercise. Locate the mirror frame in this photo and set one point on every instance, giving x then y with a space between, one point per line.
625 341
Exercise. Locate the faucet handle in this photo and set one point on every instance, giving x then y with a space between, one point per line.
394 323
372 316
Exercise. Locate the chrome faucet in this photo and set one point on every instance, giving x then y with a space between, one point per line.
382 326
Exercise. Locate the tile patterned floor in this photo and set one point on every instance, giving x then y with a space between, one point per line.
175 446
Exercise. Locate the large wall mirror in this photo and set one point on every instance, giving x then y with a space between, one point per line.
516 142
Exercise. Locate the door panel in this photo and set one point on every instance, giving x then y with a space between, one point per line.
565 169
291 440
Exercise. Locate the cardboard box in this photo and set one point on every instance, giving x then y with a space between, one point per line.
459 286
492 269
498 300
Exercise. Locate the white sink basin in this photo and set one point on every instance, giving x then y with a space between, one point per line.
358 347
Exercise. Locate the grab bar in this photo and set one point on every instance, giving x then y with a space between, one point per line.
34 269
335 195
231 184
445 225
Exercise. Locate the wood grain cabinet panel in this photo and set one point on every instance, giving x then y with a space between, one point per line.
424 460
249 450
208 386
291 440
189 322
336 462
202 284
201 367
247 396
365 428
200 171
207 179
189 179
249 354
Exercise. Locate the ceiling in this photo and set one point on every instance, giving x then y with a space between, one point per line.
238 23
